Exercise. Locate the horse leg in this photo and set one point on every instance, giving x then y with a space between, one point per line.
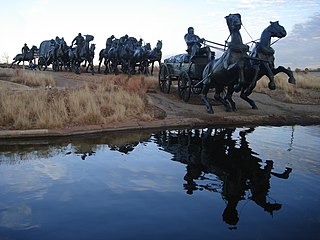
107 66
100 61
91 66
204 98
253 82
271 84
217 96
241 80
228 97
289 73
13 63
146 67
245 97
152 65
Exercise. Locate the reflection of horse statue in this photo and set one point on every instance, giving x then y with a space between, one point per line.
29 56
264 65
237 169
228 69
155 55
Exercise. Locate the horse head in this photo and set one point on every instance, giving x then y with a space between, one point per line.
89 38
34 48
159 45
277 30
234 22
147 47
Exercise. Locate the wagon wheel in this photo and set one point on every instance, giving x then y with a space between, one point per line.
164 79
184 86
42 64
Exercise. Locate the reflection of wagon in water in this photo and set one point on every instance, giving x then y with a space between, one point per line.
187 73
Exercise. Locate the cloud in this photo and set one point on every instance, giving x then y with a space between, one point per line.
300 48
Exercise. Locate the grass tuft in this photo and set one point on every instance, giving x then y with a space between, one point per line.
104 100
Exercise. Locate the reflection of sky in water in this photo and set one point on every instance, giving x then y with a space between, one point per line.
146 185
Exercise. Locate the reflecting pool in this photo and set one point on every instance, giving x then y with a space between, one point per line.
211 183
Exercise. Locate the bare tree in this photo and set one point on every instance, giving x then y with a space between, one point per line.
5 57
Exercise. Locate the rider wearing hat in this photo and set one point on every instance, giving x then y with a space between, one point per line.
109 41
79 42
194 44
25 49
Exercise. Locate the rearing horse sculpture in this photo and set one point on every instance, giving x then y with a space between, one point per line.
262 63
228 69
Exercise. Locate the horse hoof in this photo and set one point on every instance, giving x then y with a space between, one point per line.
254 107
292 80
271 86
210 111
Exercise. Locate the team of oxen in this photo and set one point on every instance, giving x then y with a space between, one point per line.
126 55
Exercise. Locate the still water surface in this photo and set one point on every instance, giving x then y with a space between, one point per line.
258 183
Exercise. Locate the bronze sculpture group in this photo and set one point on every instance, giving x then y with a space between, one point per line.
237 70
126 52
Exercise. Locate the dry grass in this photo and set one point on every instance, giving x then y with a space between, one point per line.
108 99
6 72
305 82
28 78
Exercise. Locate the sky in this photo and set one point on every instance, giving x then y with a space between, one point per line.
34 21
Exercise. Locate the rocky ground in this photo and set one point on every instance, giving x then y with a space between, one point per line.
170 111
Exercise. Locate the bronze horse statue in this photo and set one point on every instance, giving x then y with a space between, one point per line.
261 62
84 55
228 70
29 56
140 58
62 56
126 53
155 55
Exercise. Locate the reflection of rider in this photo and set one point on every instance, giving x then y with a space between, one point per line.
261 185
25 49
238 167
79 42
194 44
